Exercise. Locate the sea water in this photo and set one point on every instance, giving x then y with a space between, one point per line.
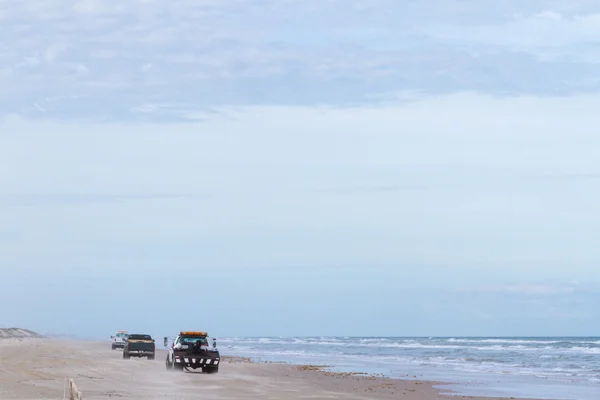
551 368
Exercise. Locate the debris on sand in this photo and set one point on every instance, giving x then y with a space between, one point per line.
311 367
237 360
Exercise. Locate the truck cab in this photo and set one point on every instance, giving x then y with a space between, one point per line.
191 350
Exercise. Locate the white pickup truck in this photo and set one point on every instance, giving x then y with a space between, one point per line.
119 339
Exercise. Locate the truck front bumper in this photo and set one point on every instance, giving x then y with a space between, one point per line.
140 353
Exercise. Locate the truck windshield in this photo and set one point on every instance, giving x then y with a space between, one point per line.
140 337
193 340
122 335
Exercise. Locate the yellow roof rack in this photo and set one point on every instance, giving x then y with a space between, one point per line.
193 333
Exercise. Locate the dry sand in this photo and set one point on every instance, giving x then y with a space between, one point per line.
38 369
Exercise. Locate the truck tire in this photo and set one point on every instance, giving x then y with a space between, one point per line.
125 356
210 370
151 357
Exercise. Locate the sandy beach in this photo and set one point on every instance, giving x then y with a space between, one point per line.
39 368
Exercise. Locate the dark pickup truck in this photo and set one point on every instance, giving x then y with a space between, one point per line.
139 346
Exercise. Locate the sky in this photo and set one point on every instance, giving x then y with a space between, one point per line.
280 168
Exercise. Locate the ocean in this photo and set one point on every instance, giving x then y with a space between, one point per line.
550 368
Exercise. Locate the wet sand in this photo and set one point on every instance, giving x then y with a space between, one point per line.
39 368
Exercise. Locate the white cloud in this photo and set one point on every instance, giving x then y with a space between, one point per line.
528 289
54 52
536 289
549 15
542 30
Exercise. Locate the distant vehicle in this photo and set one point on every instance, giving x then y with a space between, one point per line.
190 350
119 339
139 346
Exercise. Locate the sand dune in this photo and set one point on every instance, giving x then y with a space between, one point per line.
14 333
38 369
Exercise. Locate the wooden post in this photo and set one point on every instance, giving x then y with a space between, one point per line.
74 394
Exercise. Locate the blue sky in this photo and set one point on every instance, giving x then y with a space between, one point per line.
300 167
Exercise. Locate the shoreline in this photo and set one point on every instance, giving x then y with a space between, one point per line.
383 387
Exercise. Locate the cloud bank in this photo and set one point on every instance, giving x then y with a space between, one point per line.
150 60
